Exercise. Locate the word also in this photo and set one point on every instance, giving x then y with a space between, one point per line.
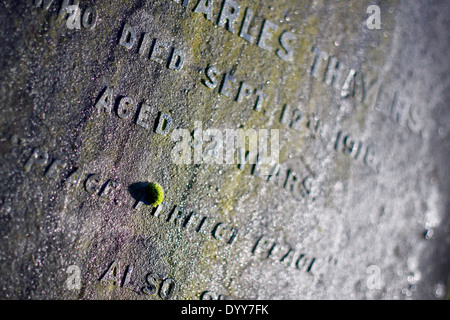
231 12
266 248
180 218
155 284
126 107
76 17
244 92
158 50
356 150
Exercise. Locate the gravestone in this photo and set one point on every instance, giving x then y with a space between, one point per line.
348 100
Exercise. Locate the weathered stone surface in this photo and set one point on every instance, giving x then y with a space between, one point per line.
90 99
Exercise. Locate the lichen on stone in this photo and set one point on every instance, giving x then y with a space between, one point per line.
154 194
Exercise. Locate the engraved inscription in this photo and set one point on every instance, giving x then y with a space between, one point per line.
52 169
192 221
297 120
160 51
357 150
126 106
354 84
266 248
236 20
155 284
210 295
76 17
239 91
